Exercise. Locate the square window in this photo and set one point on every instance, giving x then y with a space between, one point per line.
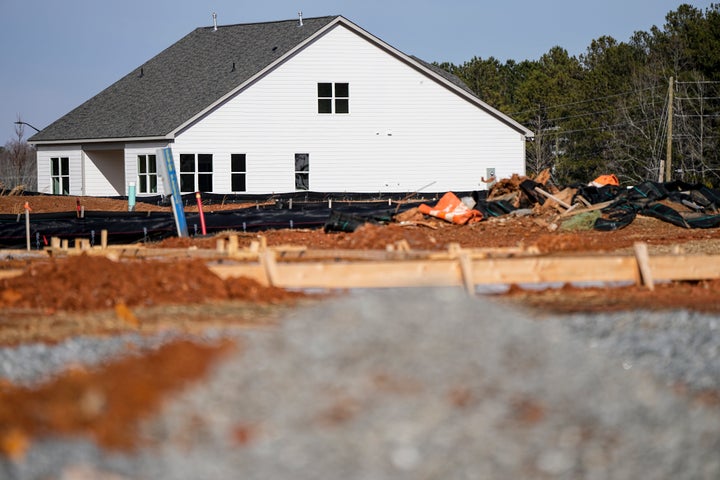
333 98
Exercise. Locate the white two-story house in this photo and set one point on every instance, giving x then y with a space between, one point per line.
313 104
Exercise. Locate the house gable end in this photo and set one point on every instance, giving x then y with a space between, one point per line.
434 73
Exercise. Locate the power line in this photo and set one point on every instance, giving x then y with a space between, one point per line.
715 82
580 102
598 112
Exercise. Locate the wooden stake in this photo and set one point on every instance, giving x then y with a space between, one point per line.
232 244
643 261
467 272
103 239
270 264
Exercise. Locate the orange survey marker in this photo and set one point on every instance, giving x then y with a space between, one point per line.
452 209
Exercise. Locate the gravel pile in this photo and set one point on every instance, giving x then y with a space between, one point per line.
413 384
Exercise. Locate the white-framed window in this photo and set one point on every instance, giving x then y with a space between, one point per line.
302 171
60 175
333 97
238 172
147 174
196 172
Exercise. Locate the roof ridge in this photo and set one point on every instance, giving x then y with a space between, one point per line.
268 22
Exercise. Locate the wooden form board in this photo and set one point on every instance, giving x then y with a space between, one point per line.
522 270
294 267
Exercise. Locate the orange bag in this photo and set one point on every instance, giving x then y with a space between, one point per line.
451 209
605 180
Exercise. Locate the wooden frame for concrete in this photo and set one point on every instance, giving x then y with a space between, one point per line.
469 273
399 266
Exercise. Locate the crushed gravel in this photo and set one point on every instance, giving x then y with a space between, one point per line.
423 383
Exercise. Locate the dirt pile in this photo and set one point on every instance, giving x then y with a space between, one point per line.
82 283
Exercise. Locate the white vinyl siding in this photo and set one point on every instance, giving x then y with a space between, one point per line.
405 131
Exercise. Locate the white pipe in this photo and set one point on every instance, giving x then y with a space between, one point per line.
27 225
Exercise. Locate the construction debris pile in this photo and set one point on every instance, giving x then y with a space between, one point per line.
602 204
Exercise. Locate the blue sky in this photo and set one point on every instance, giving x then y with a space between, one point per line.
58 53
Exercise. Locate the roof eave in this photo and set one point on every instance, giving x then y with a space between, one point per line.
78 141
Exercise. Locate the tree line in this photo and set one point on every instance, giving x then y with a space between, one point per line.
606 111
18 159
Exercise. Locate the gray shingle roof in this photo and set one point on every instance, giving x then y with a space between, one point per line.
181 81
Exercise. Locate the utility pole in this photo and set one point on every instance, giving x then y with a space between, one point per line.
668 155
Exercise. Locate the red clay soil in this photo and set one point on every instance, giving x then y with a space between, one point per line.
82 283
104 404
496 233
15 204
699 296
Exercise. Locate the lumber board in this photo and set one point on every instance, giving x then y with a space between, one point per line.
685 267
461 268
520 270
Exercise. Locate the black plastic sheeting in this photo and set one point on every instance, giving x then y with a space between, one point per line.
644 199
129 227
349 211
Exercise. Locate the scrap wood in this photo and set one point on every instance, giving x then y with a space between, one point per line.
592 208
543 177
422 224
552 197
505 186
